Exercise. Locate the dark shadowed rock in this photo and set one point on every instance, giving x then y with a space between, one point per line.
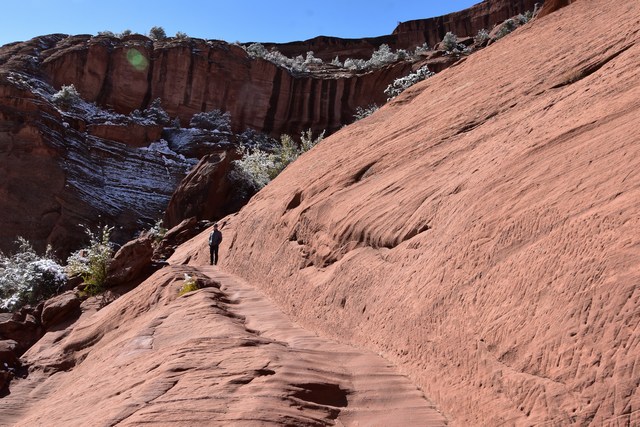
177 235
213 189
60 308
131 260
8 355
25 332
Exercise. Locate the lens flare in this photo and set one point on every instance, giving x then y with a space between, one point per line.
137 59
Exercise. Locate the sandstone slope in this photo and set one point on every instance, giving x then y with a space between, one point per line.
222 355
481 230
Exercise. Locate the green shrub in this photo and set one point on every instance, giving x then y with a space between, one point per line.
262 166
27 278
157 232
182 36
190 284
92 263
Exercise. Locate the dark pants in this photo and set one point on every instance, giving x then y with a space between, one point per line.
213 254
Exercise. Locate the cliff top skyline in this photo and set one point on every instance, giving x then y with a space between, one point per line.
244 21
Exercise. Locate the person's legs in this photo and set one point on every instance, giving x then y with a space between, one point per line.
215 255
211 255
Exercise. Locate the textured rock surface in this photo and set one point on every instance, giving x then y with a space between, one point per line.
60 308
481 230
223 355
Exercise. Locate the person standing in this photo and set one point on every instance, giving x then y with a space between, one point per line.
215 238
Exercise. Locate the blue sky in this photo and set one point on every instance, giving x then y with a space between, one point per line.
232 20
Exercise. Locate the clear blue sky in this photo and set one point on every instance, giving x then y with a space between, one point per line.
232 20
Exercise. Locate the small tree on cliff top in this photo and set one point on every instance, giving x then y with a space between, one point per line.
157 34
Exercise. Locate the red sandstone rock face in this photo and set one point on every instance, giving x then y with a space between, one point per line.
481 230
220 355
409 34
194 76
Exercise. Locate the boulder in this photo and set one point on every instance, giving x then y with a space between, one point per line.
24 333
212 190
8 356
60 308
131 260
177 235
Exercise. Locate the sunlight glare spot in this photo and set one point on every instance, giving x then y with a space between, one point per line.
137 59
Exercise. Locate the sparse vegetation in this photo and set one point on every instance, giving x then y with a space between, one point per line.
362 112
28 278
262 166
66 97
212 120
381 56
92 263
190 284
511 24
157 34
157 232
482 37
182 36
154 113
399 85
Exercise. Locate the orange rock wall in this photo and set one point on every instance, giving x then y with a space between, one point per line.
480 231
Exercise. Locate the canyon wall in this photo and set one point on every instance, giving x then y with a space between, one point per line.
481 230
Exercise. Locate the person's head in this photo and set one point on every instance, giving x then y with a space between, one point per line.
215 226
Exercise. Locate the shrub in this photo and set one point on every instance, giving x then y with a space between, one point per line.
507 27
182 36
27 278
190 284
310 59
362 112
297 64
157 34
157 232
381 56
336 62
399 85
66 97
262 166
212 120
355 64
107 33
421 49
450 42
93 262
125 33
481 37
156 113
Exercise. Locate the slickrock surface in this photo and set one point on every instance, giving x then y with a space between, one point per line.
482 230
223 355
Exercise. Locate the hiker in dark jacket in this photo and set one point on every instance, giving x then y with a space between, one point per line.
215 238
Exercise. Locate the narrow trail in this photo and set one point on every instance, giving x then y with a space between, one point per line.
363 386
224 355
